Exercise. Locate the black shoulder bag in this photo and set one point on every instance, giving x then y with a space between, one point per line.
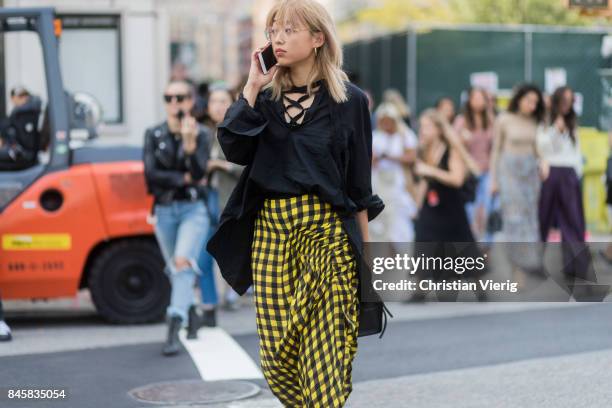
469 187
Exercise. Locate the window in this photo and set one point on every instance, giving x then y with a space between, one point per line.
90 58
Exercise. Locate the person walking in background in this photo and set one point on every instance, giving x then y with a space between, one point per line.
393 150
295 224
475 128
561 195
516 173
395 98
446 107
175 161
441 172
222 178
5 330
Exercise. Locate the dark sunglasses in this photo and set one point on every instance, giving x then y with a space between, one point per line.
179 97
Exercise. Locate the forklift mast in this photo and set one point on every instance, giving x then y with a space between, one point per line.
42 21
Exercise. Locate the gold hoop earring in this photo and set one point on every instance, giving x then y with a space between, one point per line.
315 51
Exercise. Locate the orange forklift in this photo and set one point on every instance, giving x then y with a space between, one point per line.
80 218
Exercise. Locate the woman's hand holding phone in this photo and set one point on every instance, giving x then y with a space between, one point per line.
257 79
189 133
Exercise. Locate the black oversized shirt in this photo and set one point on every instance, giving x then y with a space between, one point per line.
300 159
297 160
281 159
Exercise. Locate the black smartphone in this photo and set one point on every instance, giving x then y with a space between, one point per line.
267 59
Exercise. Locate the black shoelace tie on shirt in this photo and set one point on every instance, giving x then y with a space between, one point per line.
293 120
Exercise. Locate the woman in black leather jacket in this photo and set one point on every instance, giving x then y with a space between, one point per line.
175 159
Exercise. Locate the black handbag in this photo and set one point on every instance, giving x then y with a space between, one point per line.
494 219
468 190
372 314
494 222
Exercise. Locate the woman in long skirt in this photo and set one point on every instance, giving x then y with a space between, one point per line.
306 301
306 140
516 172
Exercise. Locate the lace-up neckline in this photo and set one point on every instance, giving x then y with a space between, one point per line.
294 120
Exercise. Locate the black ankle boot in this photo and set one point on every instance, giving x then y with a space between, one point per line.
173 343
210 318
195 322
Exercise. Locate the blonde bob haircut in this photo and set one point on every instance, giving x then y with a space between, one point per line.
328 59
389 110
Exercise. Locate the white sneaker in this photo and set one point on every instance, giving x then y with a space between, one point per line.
5 331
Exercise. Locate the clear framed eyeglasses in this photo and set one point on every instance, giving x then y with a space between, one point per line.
272 32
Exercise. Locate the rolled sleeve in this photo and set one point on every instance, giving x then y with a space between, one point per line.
359 177
238 132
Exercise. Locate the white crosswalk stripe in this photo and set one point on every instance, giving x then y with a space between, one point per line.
218 356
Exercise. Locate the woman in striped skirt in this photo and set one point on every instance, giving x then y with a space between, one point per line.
292 204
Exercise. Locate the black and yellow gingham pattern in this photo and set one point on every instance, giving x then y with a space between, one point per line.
305 292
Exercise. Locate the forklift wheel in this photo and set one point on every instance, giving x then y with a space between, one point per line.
128 284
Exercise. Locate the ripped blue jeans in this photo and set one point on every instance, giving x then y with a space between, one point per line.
181 230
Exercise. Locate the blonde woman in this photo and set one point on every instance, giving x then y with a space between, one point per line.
394 97
441 170
295 223
394 150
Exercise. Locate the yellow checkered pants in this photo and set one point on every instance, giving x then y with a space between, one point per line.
305 292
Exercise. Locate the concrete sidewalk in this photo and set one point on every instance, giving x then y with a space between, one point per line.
573 381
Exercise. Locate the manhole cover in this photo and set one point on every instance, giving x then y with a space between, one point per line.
194 392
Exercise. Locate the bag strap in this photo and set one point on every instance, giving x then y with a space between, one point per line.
385 312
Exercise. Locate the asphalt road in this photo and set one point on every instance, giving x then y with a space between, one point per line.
432 355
